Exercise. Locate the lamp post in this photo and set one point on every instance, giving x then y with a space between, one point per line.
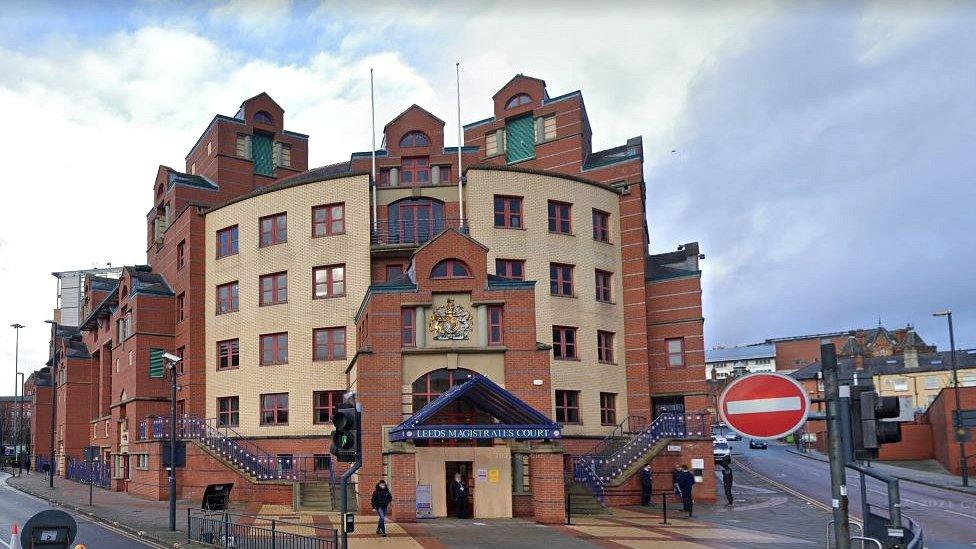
957 417
173 362
20 434
52 353
20 417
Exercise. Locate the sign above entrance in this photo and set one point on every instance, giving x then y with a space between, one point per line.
450 322
486 431
764 405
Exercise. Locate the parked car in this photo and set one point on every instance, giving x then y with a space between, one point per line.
721 450
757 444
732 435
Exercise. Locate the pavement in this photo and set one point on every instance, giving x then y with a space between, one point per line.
17 507
947 516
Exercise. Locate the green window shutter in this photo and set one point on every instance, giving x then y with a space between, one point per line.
521 139
157 367
262 147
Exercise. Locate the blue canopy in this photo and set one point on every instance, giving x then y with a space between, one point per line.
515 418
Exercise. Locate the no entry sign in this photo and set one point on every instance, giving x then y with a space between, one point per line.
764 405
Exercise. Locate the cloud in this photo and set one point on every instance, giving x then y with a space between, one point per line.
258 18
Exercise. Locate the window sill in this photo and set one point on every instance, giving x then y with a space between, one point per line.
328 296
328 359
562 234
271 244
606 363
273 304
226 312
510 228
228 368
569 296
566 359
274 425
274 364
519 161
606 302
328 235
603 241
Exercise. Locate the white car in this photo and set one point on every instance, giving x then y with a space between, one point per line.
721 450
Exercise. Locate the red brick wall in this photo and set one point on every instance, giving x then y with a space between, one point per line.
674 310
403 483
792 355
939 415
548 488
916 443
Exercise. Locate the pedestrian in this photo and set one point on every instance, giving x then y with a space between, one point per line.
459 495
27 464
685 483
727 484
380 502
647 484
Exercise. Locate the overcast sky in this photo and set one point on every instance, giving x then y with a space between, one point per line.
823 156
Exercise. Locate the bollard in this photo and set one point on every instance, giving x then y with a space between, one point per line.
664 507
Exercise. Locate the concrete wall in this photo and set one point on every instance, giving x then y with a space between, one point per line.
491 499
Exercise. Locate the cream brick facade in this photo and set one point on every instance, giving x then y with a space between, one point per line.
300 315
538 248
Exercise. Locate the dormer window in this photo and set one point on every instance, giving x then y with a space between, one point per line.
518 100
263 117
415 139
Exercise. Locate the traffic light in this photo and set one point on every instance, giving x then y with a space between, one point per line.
345 437
868 430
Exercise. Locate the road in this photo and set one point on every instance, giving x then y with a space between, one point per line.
948 518
16 506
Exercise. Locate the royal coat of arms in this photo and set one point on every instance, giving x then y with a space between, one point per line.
450 322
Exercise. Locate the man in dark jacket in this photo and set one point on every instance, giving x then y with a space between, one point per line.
380 502
727 484
685 483
459 495
646 485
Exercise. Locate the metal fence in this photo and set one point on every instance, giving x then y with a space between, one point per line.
98 473
231 530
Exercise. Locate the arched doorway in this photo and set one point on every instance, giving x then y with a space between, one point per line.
415 220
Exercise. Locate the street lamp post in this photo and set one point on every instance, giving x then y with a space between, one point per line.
54 395
173 362
20 435
20 417
957 418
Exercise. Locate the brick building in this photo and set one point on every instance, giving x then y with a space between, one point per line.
445 286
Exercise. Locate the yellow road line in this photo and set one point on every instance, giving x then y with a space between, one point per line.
793 492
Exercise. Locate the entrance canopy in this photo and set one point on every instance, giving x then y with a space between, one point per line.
515 419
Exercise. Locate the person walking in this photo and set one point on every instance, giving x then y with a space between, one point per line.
380 502
459 495
727 484
646 482
685 483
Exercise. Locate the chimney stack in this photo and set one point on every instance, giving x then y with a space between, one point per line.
911 358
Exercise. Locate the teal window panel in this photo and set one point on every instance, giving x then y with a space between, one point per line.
157 367
520 143
262 152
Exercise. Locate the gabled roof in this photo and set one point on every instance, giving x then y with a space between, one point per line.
517 77
852 347
262 94
174 177
885 365
408 109
147 282
487 396
445 231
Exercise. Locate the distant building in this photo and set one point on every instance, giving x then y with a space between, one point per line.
731 361
793 353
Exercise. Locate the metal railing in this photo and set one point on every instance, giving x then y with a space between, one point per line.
230 530
412 232
236 449
79 470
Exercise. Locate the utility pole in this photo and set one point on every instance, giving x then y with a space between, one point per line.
173 363
53 353
20 412
957 416
838 474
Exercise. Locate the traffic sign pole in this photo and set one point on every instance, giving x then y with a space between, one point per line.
838 476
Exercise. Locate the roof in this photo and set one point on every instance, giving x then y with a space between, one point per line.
262 94
545 101
11 398
683 262
147 282
887 365
408 109
311 176
746 352
626 152
496 282
487 396
174 177
76 349
516 77
445 231
494 168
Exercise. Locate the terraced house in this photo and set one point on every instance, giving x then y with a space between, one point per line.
494 309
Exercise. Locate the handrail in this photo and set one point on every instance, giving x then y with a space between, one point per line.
412 231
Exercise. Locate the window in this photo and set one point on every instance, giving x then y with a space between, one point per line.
545 128
227 301
899 384
603 285
142 461
322 462
608 408
414 139
228 411
274 229
445 174
329 343
513 269
415 170
181 307
508 212
181 254
228 354
244 146
324 404
329 281
262 153
450 268
180 351
968 380
604 347
519 139
560 221
282 154
601 226
933 382
274 349
393 272
561 279
274 289
495 325
676 351
567 407
518 100
491 144
430 386
227 242
263 117
564 343
408 328
274 409
383 178
329 220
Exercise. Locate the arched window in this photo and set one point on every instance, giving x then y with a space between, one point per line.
415 139
517 100
415 221
430 385
450 268
263 117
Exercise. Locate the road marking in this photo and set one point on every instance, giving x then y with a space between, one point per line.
763 405
903 498
960 514
787 489
4 544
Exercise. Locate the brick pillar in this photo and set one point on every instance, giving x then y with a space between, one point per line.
548 485
403 483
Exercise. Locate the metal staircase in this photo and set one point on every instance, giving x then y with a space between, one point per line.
632 444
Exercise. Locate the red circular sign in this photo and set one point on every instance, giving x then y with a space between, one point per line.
764 405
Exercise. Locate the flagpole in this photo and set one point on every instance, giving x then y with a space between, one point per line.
457 70
372 113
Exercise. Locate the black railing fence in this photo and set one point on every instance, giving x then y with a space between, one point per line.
231 530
